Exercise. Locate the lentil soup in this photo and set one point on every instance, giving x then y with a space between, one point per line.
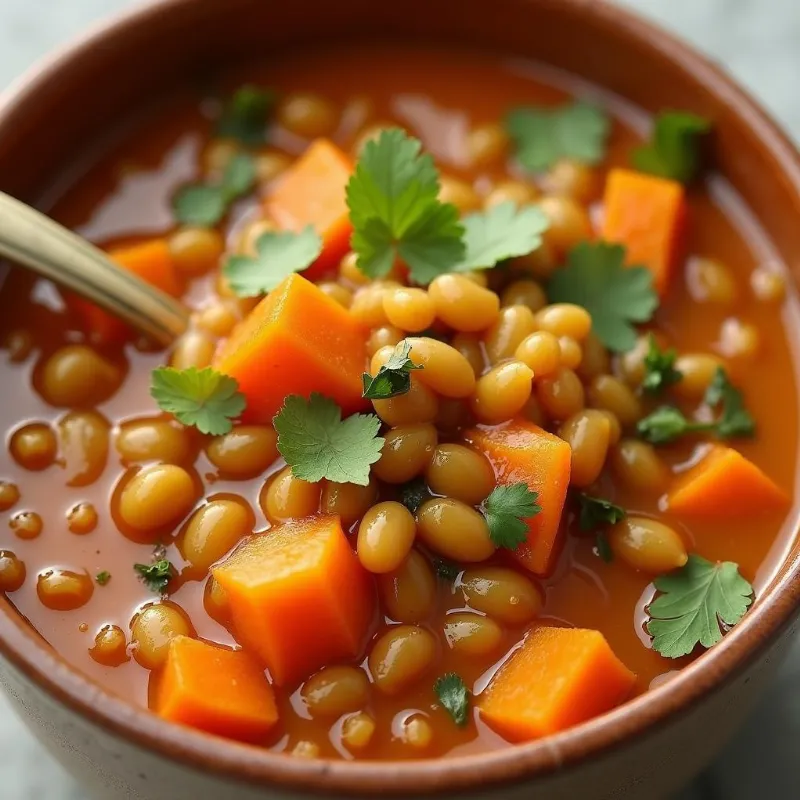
545 473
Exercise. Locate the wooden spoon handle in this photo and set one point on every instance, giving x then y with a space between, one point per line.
33 240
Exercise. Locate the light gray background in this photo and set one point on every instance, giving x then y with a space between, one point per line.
759 41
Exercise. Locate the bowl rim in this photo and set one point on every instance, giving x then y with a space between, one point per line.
771 614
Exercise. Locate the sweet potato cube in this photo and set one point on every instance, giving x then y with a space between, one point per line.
216 690
725 484
646 214
297 340
312 192
558 678
521 451
299 597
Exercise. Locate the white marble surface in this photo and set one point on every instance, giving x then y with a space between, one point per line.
758 41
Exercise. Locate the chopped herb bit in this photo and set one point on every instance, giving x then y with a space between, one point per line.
155 576
735 420
204 398
616 296
103 577
317 443
542 136
506 509
596 511
245 115
696 601
205 204
393 196
668 423
454 697
659 368
446 570
675 149
502 232
603 547
278 255
394 377
414 493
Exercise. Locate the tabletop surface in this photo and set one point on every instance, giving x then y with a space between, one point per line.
757 40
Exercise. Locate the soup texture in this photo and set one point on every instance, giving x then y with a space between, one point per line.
485 420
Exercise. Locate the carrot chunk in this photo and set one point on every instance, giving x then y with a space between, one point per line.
299 597
558 678
297 340
646 214
152 262
726 484
521 451
216 690
312 192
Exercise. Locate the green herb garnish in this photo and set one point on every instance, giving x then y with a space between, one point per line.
155 576
675 148
659 367
446 570
453 695
393 378
103 577
506 510
596 511
245 115
414 493
603 547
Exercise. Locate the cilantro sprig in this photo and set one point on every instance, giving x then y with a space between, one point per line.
103 577
203 398
414 493
394 377
506 510
393 197
616 296
244 117
155 576
317 443
659 367
205 204
446 570
542 136
675 148
597 511
278 255
453 696
694 603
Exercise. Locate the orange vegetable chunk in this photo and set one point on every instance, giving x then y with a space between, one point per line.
558 678
216 690
725 484
312 192
299 597
521 451
297 340
152 262
646 214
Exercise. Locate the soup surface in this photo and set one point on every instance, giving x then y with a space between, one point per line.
97 478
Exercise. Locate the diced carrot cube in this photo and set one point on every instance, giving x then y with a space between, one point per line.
299 597
725 484
558 678
312 192
646 214
521 451
216 690
297 340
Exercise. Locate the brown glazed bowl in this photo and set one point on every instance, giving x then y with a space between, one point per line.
645 749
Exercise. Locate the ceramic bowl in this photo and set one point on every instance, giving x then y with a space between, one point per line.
645 749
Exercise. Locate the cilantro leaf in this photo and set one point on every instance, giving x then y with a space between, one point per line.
668 423
542 136
394 377
204 398
395 210
506 510
244 116
453 695
278 255
675 148
659 367
596 511
603 547
695 601
502 232
414 493
446 570
735 420
616 296
155 576
205 204
103 577
317 443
